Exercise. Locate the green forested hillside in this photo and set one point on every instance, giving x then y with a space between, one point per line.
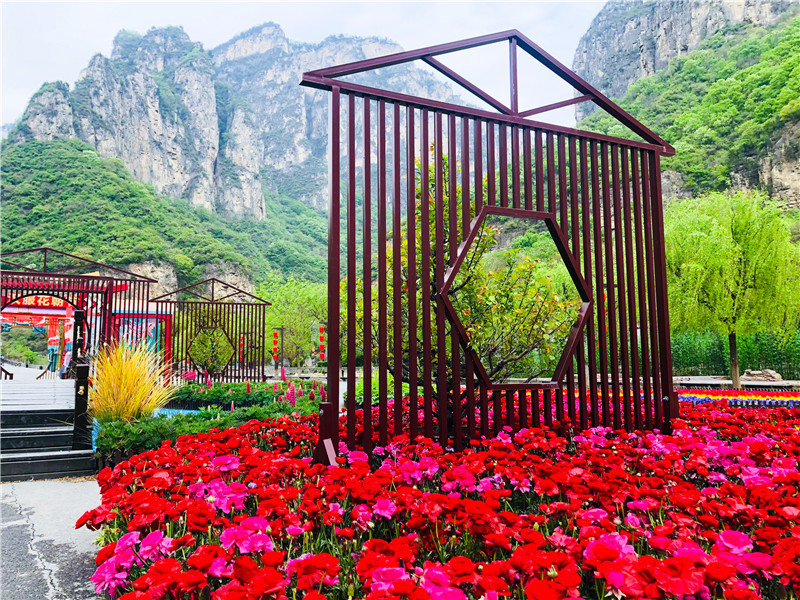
62 194
721 104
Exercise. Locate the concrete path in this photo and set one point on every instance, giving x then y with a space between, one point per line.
42 555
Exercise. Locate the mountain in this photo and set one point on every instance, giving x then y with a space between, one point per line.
63 194
225 129
730 106
631 39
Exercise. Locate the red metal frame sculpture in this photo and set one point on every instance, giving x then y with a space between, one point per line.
602 192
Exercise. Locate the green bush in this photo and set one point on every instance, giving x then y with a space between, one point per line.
148 434
196 396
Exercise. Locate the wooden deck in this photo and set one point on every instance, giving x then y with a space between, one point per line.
54 394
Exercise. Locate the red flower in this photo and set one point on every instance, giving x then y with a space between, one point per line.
678 576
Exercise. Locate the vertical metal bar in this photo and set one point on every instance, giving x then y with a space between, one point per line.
600 295
661 291
491 193
564 224
651 297
621 289
503 165
352 221
465 195
537 417
586 236
366 273
551 174
644 353
498 413
512 61
383 307
522 400
453 215
511 417
526 153
397 279
515 170
630 286
411 218
609 290
576 251
441 360
425 236
452 190
484 402
539 171
478 170
562 185
470 391
548 408
330 430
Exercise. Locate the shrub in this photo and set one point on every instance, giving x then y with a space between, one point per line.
194 396
149 433
128 384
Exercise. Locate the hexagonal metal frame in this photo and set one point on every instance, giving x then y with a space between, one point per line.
570 262
227 337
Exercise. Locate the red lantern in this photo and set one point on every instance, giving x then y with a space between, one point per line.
275 357
322 356
322 330
274 334
322 347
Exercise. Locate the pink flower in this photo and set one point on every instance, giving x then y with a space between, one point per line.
226 463
384 508
384 577
294 530
609 547
357 455
436 582
129 540
734 542
154 546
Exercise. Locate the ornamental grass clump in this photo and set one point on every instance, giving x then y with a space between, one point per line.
129 383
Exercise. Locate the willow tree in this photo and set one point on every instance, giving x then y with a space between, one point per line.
731 267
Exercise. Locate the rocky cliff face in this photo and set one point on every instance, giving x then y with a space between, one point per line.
215 127
630 39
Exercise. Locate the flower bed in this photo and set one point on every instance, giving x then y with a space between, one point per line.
745 398
711 511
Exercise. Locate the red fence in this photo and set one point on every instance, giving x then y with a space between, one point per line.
601 194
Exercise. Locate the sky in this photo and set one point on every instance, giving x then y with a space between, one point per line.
49 41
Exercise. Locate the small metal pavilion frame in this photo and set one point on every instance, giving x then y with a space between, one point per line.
102 295
603 192
215 305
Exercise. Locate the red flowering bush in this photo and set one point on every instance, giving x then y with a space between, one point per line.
710 511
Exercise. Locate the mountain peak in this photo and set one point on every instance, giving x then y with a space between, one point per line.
160 47
256 40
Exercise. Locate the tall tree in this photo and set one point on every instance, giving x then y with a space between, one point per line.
731 266
300 307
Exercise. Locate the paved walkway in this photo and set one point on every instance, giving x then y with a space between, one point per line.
43 556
